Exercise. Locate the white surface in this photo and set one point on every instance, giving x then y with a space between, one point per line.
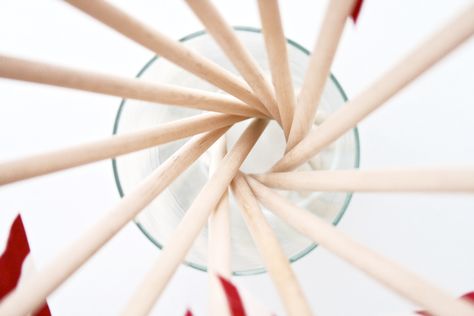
429 123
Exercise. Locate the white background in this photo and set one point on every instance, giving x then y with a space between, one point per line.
429 123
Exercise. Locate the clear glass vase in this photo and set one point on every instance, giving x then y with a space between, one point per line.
160 218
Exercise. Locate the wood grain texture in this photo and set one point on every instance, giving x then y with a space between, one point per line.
404 72
387 272
168 48
276 45
238 54
275 260
181 240
318 69
130 88
110 147
219 240
374 180
32 293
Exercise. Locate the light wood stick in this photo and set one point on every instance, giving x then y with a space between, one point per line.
31 294
219 240
238 54
183 237
390 274
276 45
26 70
413 65
44 163
375 180
168 48
272 254
318 68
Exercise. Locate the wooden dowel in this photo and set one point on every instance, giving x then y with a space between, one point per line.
133 88
218 240
418 61
276 45
318 69
184 235
272 254
44 163
390 274
375 180
238 54
30 295
168 48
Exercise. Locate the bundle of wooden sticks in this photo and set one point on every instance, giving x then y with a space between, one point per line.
254 97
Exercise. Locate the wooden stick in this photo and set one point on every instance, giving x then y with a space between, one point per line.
272 254
395 277
238 54
376 180
31 294
318 69
26 70
183 237
168 48
276 45
418 61
218 240
41 164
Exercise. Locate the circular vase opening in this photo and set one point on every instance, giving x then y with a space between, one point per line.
158 220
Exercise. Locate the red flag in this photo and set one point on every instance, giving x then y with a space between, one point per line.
12 261
356 10
236 305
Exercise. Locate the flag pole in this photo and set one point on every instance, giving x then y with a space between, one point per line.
181 240
238 54
29 296
168 48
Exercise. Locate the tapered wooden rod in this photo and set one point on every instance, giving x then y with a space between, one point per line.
276 45
390 274
44 163
273 256
168 48
183 237
238 54
30 295
318 69
133 88
218 240
375 180
408 69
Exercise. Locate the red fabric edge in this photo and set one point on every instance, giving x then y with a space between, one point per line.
236 305
12 259
356 10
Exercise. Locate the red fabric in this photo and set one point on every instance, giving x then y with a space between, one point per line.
356 10
468 296
188 313
44 311
12 259
236 305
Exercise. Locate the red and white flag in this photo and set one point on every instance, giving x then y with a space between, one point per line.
16 264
